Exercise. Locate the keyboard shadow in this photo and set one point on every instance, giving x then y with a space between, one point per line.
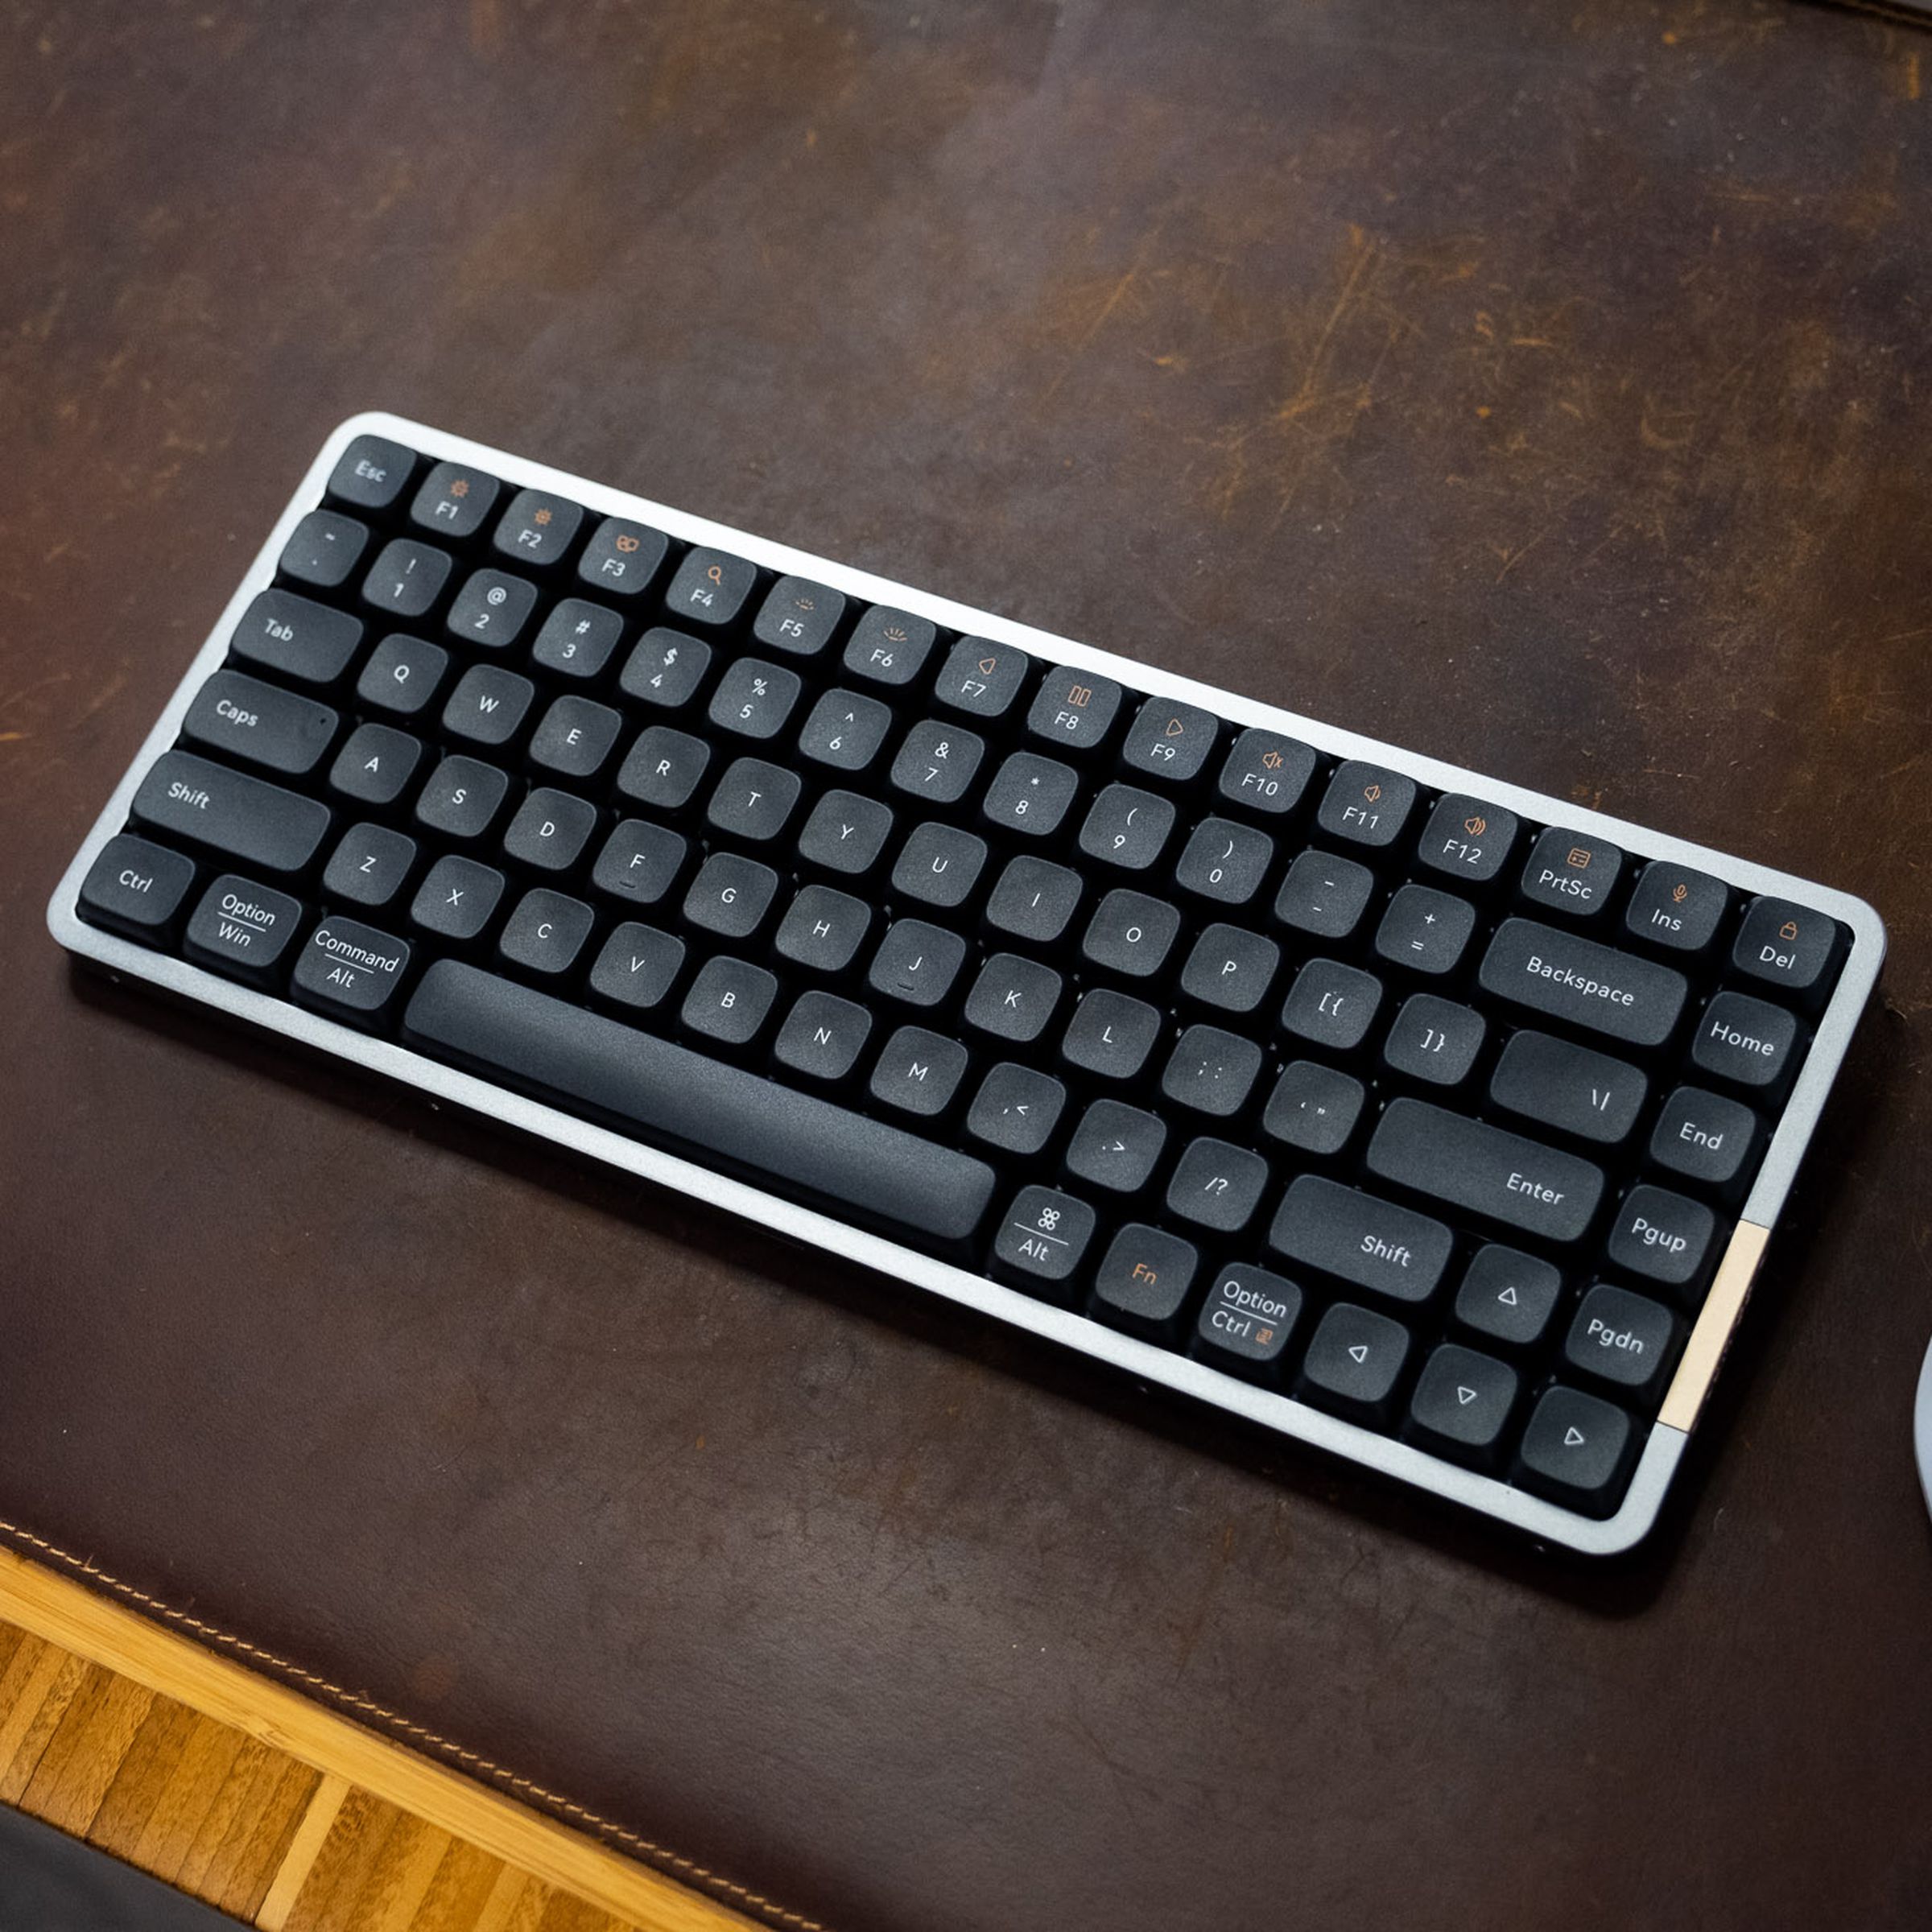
1612 1588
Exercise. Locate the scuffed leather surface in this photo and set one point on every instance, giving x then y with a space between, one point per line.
1545 387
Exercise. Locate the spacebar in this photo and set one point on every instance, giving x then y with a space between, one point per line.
753 1125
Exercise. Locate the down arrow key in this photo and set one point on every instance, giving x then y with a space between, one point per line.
1462 1403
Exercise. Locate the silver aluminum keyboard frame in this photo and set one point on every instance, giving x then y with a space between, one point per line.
1545 1522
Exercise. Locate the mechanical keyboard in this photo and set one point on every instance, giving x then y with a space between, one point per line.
1396 1109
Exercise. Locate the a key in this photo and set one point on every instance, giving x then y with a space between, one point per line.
846 730
663 768
1462 1402
1664 1237
1787 948
636 967
242 928
1623 1338
1211 1071
845 834
577 639
1366 805
1332 1005
822 1037
455 499
1042 1239
1467 839
1073 710
1246 1322
1574 1450
939 865
1562 1085
1130 933
822 930
1704 1138
1013 998
1230 969
937 761
1127 827
402 674
1111 1034
1030 795
1425 930
575 737
623 558
728 1005
457 899
1314 1109
1434 1040
461 798
260 723
1576 980
1324 896
731 895
537 528
1354 1361
1571 874
1469 1164
324 549
1143 1280
665 668
798 617
297 637
265 826
489 705
889 647
375 765
544 932
754 698
1217 1186
490 611
136 888
350 972
918 1073
1266 772
549 830
371 473
981 678
368 867
1676 907
710 588
754 800
1358 1238
640 862
1169 741
406 578
916 963
1744 1040
1034 900
1507 1295
1016 1110
1224 861
1115 1146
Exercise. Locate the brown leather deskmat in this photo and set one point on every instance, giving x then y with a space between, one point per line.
1545 387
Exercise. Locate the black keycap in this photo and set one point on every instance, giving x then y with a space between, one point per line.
371 473
1462 1402
1127 827
728 1005
710 588
1030 795
1434 1040
937 761
822 1037
980 678
1073 711
1788 948
1111 1034
804 1145
260 723
754 800
1369 1242
544 932
575 737
1033 900
1574 1449
350 972
636 967
402 674
1324 896
1016 1110
577 639
845 834
665 668
1169 741
1013 998
1568 1087
1224 861
1217 1186
1575 979
1425 930
640 862
1115 1146
1664 1237
799 616
918 1073
1676 907
1042 1239
1142 1281
1366 805
375 765
1467 839
455 499
1130 933
324 549
1507 1295
406 578
537 528
551 830
1230 969
1246 1321
1571 872
1331 1005
1211 1071
135 887
1354 1361
731 895
939 865
266 827
461 798
823 930
1313 1107
623 558
1744 1040
297 637
1266 772
369 866
846 730
1625 1338
889 647
916 963
489 705
1485 1170
491 610
754 698
457 899
242 928
1704 1138
663 768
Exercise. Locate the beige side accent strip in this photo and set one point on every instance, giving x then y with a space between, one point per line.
1711 1337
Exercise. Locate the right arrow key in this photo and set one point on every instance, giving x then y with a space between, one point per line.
1574 1450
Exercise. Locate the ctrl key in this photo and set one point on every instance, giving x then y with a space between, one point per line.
1575 1450
1042 1241
135 888
350 972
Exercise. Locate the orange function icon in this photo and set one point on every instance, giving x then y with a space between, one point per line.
1680 893
1080 694
1579 857
1788 929
1175 728
803 604
987 666
717 574
1475 825
895 634
1143 1273
1272 760
541 518
627 544
461 487
1372 793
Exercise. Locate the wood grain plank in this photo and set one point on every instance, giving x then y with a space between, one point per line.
88 1749
143 1776
463 1886
299 1856
30 1725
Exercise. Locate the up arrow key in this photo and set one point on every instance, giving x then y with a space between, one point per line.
1574 1438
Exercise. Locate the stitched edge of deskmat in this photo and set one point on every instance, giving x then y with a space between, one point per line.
661 1858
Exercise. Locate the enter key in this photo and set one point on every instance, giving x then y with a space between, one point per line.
1484 1168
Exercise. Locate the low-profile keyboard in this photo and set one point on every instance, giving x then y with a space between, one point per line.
1407 1113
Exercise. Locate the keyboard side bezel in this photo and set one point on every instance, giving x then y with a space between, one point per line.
1545 1522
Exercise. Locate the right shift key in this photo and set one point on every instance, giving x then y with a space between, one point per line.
1569 977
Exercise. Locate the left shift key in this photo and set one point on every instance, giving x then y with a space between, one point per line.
228 812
